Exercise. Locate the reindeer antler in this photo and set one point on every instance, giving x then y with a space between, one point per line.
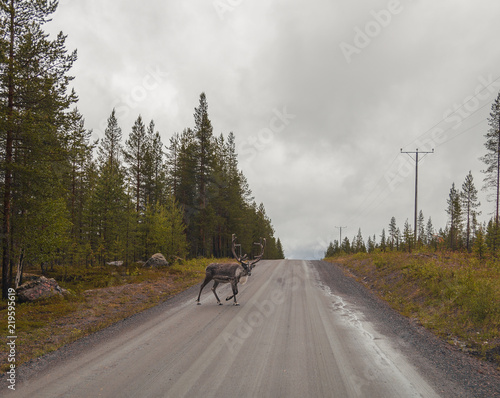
233 249
241 259
262 244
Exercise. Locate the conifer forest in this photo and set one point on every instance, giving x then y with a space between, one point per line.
68 199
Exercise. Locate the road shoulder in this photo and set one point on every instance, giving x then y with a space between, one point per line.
446 367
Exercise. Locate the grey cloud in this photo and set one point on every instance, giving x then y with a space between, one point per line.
351 118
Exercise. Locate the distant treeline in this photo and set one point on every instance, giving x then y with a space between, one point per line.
463 231
69 200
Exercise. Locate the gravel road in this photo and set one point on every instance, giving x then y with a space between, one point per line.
303 329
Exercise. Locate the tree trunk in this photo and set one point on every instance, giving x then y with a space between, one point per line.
7 199
498 173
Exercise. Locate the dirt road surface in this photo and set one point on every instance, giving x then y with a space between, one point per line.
303 329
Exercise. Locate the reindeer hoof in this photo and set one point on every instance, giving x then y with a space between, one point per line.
219 303
198 303
236 304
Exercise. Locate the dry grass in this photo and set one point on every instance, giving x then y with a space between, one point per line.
453 294
46 325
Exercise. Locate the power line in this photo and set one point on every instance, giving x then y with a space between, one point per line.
416 184
340 242
358 211
462 132
376 201
366 209
456 110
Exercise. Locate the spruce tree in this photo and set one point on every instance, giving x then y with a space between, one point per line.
492 238
110 199
408 236
79 154
383 242
371 245
358 244
172 164
185 189
136 148
281 252
492 157
393 233
205 163
420 239
455 217
346 246
480 247
469 203
330 251
429 233
154 167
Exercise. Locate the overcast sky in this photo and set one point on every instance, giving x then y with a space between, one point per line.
321 95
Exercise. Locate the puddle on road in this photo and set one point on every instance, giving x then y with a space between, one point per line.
383 362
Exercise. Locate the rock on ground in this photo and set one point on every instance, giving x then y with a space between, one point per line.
156 260
38 288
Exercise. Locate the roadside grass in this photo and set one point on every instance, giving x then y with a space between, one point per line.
453 294
98 297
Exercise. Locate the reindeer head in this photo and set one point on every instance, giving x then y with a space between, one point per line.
243 259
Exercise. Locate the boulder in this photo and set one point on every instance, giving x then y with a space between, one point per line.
156 260
38 288
115 263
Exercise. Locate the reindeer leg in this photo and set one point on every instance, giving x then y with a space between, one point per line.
207 279
213 290
234 285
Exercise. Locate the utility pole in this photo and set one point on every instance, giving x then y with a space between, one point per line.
416 186
340 243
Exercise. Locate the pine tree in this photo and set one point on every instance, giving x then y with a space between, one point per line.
33 99
492 157
469 203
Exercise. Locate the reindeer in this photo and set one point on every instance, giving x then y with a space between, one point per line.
231 273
